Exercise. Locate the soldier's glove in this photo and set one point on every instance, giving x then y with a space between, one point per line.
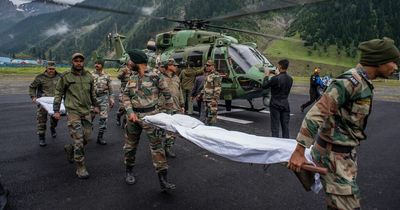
214 103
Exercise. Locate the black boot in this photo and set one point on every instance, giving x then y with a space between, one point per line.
118 119
69 152
164 184
100 139
169 153
130 178
3 197
42 140
53 132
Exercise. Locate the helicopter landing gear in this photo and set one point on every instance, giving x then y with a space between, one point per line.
228 105
251 104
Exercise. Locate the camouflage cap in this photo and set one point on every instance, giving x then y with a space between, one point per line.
51 64
172 61
376 52
78 55
138 56
210 62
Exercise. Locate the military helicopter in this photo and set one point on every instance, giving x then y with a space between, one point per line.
240 65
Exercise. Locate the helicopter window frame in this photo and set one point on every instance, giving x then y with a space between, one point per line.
245 57
178 56
220 59
196 57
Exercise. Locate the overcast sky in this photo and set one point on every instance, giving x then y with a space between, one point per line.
18 2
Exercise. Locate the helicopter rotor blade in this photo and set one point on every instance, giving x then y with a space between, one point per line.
283 4
255 33
137 10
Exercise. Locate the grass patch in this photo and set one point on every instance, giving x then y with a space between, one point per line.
31 71
297 51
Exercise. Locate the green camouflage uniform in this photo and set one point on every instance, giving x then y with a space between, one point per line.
210 95
77 89
187 77
174 86
43 85
141 97
124 78
339 118
104 93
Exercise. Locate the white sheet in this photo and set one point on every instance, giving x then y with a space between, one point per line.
234 145
47 103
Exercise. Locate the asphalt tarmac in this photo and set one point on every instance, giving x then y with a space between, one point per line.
41 178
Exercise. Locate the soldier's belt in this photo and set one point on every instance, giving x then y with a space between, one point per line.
144 110
333 147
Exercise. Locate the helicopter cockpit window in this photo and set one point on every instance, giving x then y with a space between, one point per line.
245 57
196 57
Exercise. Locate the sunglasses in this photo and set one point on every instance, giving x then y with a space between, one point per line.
208 65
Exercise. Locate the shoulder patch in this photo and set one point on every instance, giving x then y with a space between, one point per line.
353 81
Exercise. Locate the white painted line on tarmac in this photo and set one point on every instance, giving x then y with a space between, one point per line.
234 120
268 112
232 111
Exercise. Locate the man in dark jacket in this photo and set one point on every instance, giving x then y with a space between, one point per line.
196 90
279 106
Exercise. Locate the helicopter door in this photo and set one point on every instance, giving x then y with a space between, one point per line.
221 66
228 82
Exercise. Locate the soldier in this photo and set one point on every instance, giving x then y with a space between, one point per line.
44 85
124 78
188 77
210 94
338 120
174 86
77 89
140 99
105 97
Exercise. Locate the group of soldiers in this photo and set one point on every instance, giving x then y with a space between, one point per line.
334 125
144 91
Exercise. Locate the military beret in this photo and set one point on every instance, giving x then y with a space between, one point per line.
376 52
78 55
51 64
99 61
137 56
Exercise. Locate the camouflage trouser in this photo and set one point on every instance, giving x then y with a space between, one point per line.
41 120
132 137
169 139
103 102
121 109
168 136
80 129
188 101
209 111
340 185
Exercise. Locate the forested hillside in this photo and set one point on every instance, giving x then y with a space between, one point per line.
345 23
342 22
